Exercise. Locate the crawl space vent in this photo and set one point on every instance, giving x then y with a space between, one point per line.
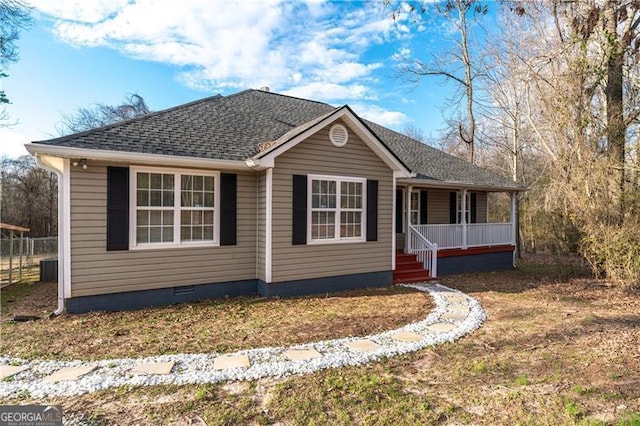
338 135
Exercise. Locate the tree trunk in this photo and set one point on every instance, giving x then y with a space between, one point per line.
615 111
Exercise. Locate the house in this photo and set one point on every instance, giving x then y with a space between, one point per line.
261 192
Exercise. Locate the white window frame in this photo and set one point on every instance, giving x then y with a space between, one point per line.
418 195
177 208
337 239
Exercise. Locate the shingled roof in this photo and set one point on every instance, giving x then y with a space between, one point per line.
235 127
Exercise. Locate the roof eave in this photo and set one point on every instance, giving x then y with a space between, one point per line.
432 183
132 157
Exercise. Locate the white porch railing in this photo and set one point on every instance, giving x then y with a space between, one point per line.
425 250
478 234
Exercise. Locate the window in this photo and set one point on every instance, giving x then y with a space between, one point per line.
415 208
174 208
336 209
467 207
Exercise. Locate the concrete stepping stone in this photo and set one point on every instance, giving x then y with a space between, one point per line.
163 368
364 345
441 327
302 354
462 307
69 373
455 297
407 336
11 370
234 361
454 316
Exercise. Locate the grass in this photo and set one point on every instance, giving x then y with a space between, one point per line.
204 327
572 339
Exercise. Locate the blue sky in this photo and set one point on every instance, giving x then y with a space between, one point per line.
80 52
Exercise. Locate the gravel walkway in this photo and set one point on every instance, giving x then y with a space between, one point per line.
455 315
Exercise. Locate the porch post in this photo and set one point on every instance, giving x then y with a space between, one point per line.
514 194
407 239
463 218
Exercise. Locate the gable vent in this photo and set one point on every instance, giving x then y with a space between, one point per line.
338 135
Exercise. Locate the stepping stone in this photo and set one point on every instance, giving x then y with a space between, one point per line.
302 354
11 370
454 316
69 373
407 336
455 297
442 327
363 345
153 368
462 307
235 361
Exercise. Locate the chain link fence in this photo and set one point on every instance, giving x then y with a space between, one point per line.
24 256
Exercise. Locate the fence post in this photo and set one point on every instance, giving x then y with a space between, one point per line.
10 256
20 249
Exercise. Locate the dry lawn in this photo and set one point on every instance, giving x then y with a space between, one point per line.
202 327
558 348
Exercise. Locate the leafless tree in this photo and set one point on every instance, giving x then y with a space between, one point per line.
459 65
100 114
14 17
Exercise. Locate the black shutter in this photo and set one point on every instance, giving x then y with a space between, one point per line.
228 206
473 208
117 208
372 210
399 209
299 231
423 207
453 207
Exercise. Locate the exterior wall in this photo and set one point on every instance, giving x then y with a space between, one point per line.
317 155
438 206
97 271
481 207
495 261
261 226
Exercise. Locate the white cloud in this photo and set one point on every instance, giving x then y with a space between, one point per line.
12 143
381 116
315 49
328 92
79 10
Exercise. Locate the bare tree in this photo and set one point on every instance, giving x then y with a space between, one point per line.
100 114
14 17
28 195
459 65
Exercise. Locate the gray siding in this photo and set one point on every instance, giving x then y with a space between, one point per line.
96 271
438 206
261 217
481 207
317 155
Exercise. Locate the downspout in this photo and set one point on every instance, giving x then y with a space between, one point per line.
60 173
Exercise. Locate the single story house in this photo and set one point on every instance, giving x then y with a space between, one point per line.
261 192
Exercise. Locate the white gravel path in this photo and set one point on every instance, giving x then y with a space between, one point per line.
198 368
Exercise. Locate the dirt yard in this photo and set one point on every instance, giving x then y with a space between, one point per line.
558 348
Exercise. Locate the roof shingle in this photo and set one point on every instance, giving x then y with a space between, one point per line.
235 127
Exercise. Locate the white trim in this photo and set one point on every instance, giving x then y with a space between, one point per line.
393 225
407 217
428 183
66 226
266 158
177 209
363 210
268 226
134 157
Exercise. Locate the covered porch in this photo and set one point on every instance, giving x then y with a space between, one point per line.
445 230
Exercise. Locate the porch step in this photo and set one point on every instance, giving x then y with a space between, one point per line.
408 269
